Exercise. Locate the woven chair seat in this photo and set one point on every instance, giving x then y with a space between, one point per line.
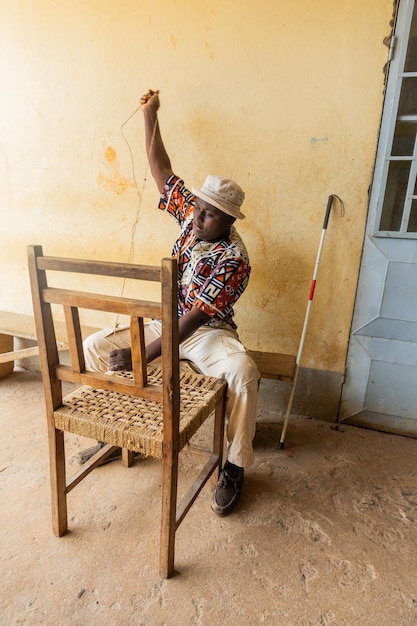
135 423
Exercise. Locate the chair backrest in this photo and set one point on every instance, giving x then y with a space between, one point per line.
44 296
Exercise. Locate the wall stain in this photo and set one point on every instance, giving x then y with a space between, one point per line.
315 140
110 155
113 179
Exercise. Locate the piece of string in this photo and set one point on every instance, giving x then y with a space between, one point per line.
139 192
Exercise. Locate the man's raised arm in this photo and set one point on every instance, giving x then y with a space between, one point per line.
159 160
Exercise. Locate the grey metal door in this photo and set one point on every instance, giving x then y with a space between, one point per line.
380 389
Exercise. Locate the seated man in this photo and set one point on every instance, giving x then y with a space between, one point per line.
213 272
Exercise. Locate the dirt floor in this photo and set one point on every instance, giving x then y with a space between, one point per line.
325 533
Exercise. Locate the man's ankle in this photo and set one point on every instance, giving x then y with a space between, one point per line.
235 470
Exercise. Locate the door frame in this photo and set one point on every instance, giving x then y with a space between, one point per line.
374 260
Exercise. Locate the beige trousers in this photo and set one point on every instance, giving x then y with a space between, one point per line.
214 352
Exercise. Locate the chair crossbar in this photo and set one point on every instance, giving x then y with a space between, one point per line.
99 302
102 268
110 382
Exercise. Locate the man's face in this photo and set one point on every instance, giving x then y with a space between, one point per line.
209 223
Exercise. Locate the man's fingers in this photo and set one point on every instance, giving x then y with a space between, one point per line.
145 99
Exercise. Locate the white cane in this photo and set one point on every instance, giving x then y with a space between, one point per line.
307 316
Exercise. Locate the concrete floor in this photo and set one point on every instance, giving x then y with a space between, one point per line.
325 533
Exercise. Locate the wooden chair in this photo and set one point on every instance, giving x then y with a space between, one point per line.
152 410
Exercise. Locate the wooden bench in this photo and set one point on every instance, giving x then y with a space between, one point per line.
23 326
271 365
274 365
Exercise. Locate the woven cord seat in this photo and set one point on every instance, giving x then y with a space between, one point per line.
136 423
153 410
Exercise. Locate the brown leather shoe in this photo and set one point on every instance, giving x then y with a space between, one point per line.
227 492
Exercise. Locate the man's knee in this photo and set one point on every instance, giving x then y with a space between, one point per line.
96 352
242 373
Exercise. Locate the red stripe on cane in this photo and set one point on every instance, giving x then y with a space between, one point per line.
313 286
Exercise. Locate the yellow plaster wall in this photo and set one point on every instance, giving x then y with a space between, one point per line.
284 97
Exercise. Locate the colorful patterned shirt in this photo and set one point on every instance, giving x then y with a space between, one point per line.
211 275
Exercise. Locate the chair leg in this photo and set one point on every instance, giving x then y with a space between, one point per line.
169 512
128 457
58 481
